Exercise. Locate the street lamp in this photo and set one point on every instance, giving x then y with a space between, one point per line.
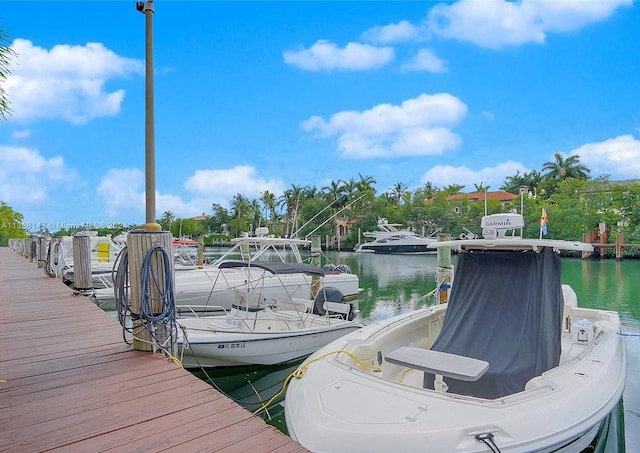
149 126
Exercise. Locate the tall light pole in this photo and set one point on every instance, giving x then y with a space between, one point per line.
149 125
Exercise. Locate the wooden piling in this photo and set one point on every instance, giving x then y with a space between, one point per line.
41 250
316 260
444 269
619 240
150 275
200 252
82 262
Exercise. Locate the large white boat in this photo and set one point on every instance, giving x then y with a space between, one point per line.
261 329
511 363
389 238
214 286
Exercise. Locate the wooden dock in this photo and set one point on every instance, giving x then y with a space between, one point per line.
69 382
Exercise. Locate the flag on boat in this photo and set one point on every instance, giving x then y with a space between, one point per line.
543 222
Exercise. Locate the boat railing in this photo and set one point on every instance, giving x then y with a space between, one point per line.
204 310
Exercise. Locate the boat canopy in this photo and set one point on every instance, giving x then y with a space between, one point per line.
505 308
275 267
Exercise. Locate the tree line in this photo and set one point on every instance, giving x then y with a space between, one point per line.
575 204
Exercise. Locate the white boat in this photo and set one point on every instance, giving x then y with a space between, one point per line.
104 254
213 286
389 238
262 330
511 363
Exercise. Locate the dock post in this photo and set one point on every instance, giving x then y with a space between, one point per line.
444 272
200 252
82 263
316 260
619 242
151 274
32 250
586 238
42 250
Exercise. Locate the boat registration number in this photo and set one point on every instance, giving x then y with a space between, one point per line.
231 346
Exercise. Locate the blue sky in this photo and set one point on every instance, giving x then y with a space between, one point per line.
255 96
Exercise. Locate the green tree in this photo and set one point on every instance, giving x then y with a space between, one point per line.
6 53
11 224
397 192
560 169
167 220
219 220
366 183
529 180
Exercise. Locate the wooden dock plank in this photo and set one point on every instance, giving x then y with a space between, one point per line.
73 384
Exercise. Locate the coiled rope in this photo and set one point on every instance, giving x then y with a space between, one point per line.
162 327
167 335
56 259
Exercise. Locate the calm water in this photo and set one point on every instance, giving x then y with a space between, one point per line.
395 284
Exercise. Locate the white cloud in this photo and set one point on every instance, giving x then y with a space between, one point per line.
618 157
499 23
417 127
403 31
122 191
327 56
66 82
425 60
26 177
445 175
231 181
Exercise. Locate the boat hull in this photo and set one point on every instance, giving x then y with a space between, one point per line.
257 348
341 405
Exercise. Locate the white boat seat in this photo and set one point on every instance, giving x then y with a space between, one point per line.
439 363
336 307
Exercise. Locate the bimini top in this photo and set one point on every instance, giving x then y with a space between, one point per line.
275 267
495 228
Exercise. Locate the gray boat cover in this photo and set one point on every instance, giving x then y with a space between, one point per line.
505 308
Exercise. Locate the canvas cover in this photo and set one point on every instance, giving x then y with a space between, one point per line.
505 308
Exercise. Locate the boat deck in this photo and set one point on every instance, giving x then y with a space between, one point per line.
69 382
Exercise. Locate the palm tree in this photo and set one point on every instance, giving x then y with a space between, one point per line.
530 180
397 192
269 202
562 168
291 200
6 53
335 192
453 189
167 219
366 183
